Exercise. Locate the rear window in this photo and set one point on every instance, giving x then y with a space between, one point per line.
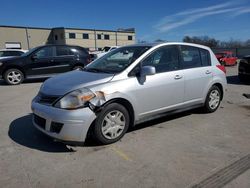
190 57
10 53
78 51
62 51
205 57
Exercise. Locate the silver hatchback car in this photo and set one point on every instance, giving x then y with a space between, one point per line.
127 86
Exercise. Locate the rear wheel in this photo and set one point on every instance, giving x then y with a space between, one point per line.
13 76
213 99
111 123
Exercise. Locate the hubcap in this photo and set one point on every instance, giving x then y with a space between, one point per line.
113 124
14 77
214 99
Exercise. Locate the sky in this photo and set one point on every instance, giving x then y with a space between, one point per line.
152 19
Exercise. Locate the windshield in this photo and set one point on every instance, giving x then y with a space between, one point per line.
29 52
117 60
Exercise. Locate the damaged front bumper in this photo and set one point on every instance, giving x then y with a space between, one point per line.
61 124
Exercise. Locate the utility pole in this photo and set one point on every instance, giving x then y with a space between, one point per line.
95 40
27 36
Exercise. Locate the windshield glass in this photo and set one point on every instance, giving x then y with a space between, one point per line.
29 52
117 60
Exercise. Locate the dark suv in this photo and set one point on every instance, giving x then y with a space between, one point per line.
43 61
244 69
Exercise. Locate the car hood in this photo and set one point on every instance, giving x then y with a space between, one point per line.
10 59
64 83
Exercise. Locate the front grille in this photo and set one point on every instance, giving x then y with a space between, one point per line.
47 99
41 122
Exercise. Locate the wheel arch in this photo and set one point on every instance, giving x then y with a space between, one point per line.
14 67
127 105
219 85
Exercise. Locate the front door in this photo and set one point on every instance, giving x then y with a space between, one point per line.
41 62
162 91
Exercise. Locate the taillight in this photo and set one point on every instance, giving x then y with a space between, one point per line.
222 68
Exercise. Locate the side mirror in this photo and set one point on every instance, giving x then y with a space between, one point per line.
147 70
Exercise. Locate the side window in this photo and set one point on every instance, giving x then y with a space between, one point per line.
62 51
163 59
190 57
15 53
6 54
205 57
45 52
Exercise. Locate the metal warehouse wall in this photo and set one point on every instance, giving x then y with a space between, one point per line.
30 37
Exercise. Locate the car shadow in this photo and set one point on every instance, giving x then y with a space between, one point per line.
28 81
160 120
235 80
24 133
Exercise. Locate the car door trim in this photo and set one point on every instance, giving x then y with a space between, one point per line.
50 67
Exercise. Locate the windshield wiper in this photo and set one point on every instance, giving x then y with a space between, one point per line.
97 70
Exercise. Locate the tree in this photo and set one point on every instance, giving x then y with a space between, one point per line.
160 40
204 40
211 42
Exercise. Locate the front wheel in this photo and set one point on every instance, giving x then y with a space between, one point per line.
213 99
13 76
111 124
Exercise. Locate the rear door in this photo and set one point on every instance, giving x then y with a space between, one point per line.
64 59
197 71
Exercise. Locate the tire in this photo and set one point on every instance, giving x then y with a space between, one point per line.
13 76
78 67
213 99
111 124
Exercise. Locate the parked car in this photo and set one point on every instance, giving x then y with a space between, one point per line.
127 86
244 69
105 50
43 61
226 58
5 53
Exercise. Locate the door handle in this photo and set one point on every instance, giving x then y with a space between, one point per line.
52 60
177 77
208 72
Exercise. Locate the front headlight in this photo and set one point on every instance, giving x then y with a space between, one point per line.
75 99
1 64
